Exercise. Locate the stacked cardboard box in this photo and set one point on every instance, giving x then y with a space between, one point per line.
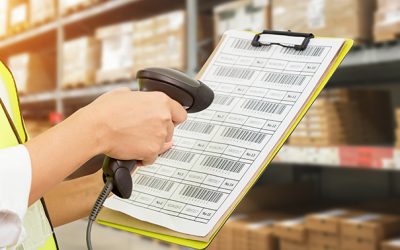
387 20
33 72
42 11
160 41
346 116
324 228
80 61
117 51
367 231
18 15
241 15
3 17
292 234
256 231
342 18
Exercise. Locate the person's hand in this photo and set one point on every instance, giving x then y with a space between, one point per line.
135 125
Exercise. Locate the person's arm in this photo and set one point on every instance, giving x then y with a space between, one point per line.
73 199
122 124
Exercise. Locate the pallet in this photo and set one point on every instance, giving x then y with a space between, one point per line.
43 21
76 85
115 76
15 29
78 7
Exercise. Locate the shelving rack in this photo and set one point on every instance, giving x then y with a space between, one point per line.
104 13
365 64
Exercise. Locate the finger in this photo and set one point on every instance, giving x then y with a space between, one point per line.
166 147
178 113
149 161
170 132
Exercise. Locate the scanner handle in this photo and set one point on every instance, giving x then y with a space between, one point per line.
120 173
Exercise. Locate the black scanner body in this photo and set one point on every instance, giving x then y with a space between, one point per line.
192 94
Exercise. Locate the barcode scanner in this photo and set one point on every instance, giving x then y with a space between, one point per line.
192 94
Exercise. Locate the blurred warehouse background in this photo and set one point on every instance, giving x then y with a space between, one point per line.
335 184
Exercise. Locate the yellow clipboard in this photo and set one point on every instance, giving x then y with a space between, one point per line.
201 244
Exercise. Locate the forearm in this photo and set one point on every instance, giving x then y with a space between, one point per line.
61 150
72 200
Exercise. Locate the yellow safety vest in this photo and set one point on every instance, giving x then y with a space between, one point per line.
40 234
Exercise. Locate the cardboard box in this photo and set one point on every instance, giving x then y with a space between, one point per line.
321 247
392 244
370 227
3 18
261 236
33 72
293 230
117 52
292 245
387 21
160 41
322 239
256 231
343 18
18 16
345 116
354 243
42 11
241 15
327 221
81 59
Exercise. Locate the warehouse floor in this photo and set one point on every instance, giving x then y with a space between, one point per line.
72 236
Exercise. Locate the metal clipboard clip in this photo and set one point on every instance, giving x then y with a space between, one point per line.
307 37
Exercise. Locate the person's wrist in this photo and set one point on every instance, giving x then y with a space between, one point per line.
94 127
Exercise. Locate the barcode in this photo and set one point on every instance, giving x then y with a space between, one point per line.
309 51
201 193
223 100
223 164
246 45
287 79
154 182
243 135
178 155
198 127
264 106
234 72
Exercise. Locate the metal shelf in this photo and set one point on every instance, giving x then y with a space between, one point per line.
96 90
92 91
362 157
372 55
40 97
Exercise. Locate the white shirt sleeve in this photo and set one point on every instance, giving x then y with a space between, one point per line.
15 184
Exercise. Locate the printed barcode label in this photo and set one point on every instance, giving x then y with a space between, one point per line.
309 51
246 45
178 155
286 79
234 72
223 164
243 135
198 127
264 106
201 193
154 182
223 100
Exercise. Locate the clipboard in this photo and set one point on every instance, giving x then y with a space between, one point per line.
117 220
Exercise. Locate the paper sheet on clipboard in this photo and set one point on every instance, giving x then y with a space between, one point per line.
218 152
